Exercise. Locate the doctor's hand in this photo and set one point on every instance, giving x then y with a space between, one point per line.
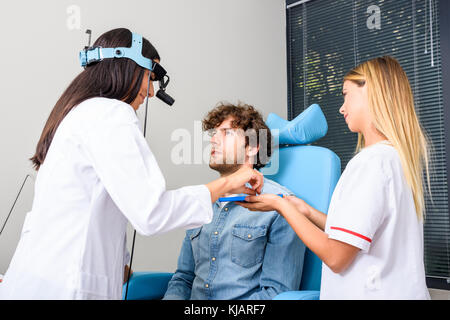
236 183
238 179
125 273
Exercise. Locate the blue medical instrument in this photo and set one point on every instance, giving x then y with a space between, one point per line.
239 198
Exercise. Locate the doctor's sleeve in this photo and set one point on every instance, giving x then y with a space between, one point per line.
361 204
129 172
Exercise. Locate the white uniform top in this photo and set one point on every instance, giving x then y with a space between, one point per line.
99 173
372 208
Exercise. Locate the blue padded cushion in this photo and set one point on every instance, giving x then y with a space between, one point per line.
147 285
298 295
311 173
307 127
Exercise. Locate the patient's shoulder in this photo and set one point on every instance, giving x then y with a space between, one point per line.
271 186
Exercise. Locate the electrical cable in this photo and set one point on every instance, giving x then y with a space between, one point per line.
14 204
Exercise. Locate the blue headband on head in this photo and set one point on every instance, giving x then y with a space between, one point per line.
95 54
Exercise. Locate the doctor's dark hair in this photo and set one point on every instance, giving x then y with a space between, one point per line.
111 78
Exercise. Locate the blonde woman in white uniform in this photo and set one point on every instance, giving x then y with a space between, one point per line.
96 173
371 242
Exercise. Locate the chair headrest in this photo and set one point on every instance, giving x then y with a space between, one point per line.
307 127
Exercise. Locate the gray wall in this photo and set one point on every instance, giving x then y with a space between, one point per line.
213 50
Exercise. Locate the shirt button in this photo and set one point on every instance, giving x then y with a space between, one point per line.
206 285
216 233
226 209
249 236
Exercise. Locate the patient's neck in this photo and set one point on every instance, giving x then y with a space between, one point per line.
225 173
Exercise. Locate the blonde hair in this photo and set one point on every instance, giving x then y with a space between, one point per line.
391 106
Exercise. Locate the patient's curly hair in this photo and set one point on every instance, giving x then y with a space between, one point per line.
245 117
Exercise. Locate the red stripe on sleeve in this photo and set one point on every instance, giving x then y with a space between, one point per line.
353 233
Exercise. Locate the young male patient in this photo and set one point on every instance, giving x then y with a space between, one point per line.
241 254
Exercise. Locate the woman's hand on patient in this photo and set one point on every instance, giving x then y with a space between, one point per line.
300 204
270 202
263 202
315 216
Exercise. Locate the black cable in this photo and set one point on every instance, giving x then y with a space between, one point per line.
134 233
14 204
131 263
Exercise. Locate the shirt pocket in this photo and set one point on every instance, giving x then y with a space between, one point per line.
248 245
194 236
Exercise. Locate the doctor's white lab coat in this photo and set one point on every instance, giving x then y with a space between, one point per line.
99 173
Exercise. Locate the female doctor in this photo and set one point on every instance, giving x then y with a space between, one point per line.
371 242
96 173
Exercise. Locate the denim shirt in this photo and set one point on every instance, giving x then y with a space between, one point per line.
241 254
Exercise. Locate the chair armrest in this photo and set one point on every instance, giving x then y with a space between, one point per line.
298 295
147 285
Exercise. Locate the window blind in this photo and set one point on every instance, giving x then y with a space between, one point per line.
326 38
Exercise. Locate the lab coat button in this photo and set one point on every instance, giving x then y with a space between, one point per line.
206 286
226 209
213 259
249 236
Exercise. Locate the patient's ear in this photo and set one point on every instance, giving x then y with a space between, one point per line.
251 153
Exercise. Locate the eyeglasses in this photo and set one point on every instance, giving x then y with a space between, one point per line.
223 131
